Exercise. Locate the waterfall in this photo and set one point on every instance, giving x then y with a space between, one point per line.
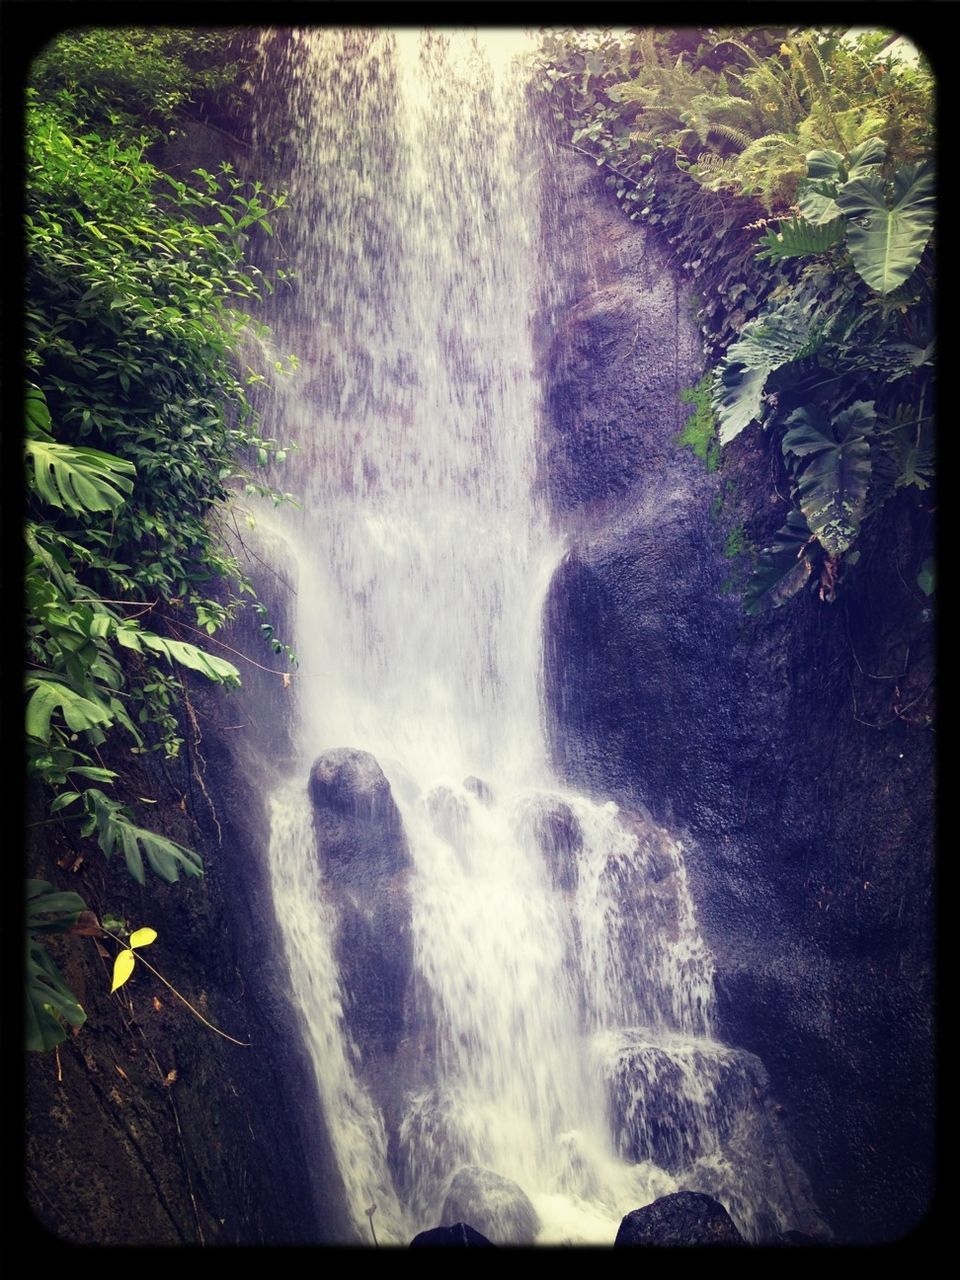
558 1035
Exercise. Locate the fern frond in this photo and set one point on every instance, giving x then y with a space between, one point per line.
739 139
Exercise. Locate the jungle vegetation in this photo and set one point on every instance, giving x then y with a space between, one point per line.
791 170
140 427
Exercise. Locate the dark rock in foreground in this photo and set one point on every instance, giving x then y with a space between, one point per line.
686 1218
500 1208
355 812
363 852
458 1234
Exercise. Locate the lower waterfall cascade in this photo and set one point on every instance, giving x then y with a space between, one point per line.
552 1060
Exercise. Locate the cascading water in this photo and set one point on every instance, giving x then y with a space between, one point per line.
557 1032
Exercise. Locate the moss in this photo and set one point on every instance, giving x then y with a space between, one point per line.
736 542
700 430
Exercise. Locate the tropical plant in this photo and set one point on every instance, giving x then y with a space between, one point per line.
824 337
140 433
847 197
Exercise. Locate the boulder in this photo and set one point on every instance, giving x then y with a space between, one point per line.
449 815
458 1234
357 820
482 790
500 1208
685 1218
363 852
556 829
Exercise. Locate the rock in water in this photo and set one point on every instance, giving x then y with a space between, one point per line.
355 813
363 852
555 829
684 1218
458 1234
482 790
501 1209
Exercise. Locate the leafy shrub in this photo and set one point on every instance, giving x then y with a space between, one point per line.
139 429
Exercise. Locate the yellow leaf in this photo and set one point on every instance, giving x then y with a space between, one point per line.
122 969
143 937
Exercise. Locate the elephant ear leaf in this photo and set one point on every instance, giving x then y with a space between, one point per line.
834 473
817 203
765 345
782 568
826 166
886 243
867 156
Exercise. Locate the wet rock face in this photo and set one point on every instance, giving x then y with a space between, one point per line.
498 1207
810 830
687 1218
364 856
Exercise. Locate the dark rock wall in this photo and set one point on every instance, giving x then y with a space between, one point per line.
771 743
229 1148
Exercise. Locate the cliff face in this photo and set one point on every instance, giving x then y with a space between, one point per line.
784 747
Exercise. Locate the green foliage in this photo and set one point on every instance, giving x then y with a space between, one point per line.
825 336
848 197
131 78
833 471
735 543
51 1005
116 831
797 238
886 242
700 430
140 430
783 568
777 338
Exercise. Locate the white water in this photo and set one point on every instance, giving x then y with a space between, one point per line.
423 559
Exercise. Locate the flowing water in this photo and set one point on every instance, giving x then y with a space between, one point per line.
561 1027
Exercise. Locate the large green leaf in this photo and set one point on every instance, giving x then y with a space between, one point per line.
51 911
765 345
886 243
835 470
36 413
830 166
115 830
80 713
782 568
50 1002
80 480
817 194
188 655
817 202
